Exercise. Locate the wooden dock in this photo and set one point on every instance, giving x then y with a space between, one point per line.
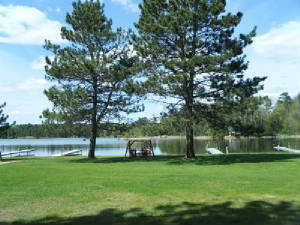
70 153
279 148
25 151
213 151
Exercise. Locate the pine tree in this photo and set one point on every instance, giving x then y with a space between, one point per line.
191 55
94 70
3 118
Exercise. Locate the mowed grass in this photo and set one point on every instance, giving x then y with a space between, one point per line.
226 189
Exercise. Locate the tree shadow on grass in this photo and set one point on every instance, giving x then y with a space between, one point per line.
252 213
200 160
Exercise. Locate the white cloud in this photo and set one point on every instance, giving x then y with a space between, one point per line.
40 63
25 85
128 4
32 83
15 112
276 55
58 10
27 25
272 95
280 44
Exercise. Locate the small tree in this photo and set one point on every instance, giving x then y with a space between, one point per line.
94 71
191 55
3 118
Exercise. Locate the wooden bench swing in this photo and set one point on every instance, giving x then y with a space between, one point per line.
145 151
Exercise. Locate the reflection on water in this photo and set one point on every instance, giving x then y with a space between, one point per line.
234 145
116 146
53 146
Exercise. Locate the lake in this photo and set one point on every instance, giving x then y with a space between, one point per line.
116 146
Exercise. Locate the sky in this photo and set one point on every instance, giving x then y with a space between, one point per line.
25 24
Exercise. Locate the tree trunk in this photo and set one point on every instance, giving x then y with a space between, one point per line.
93 140
91 154
189 140
189 116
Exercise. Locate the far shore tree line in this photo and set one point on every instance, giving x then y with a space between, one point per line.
266 119
186 52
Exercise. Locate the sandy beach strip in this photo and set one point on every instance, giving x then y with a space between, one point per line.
7 162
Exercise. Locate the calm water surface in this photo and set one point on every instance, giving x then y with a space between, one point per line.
116 146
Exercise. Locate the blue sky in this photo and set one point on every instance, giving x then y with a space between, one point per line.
24 24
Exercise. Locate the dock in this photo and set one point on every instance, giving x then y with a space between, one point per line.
213 151
279 148
19 153
70 153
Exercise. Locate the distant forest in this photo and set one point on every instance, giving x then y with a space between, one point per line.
259 118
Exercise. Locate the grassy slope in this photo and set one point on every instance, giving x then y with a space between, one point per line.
227 189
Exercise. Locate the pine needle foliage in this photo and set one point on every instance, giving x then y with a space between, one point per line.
94 70
3 118
193 57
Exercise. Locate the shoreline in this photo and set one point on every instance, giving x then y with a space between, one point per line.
166 137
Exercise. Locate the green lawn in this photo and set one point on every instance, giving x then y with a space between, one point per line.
212 190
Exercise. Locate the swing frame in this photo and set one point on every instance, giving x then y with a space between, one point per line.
145 151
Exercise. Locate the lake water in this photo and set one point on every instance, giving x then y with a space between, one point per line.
116 146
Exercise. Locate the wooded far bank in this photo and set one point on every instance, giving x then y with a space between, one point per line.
266 120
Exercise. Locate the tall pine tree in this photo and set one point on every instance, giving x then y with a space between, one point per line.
190 54
94 70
